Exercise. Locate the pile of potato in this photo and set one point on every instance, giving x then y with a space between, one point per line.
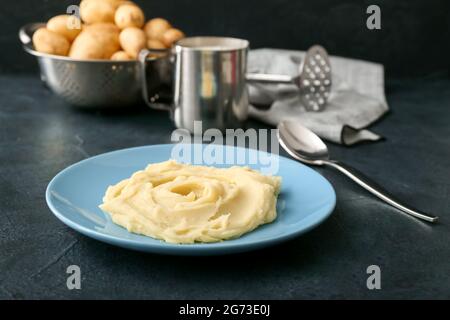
109 29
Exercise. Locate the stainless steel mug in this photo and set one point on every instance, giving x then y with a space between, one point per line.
207 82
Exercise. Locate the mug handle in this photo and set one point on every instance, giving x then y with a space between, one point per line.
157 78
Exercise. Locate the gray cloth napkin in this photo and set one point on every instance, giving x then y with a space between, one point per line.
357 96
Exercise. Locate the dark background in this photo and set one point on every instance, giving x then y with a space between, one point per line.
40 135
413 41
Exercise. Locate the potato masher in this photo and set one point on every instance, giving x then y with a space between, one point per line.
313 80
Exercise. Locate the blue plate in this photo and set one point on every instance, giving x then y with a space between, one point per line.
74 195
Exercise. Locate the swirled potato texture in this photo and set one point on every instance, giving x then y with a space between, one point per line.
181 203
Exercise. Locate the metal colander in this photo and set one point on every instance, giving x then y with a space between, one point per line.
93 83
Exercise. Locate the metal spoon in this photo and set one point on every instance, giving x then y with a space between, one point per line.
305 146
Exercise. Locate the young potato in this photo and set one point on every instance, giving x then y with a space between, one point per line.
121 55
98 41
171 36
155 28
92 11
132 40
105 27
155 44
47 41
129 15
66 25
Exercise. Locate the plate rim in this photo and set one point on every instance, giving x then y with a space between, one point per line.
221 247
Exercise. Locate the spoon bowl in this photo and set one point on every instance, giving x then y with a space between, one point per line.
301 143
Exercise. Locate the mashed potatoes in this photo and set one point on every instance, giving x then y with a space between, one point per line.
181 203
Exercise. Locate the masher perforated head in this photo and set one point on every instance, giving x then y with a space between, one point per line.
315 78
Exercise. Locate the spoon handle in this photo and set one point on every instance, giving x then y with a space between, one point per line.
376 190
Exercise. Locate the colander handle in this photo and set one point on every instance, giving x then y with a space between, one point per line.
26 32
157 78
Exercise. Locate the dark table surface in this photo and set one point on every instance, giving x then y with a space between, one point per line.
40 135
